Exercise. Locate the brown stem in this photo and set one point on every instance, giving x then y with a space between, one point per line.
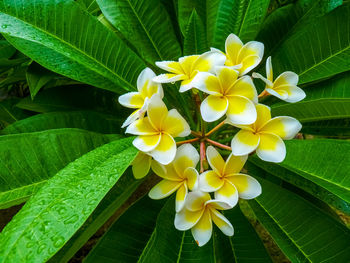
196 134
187 141
222 146
263 94
202 156
215 129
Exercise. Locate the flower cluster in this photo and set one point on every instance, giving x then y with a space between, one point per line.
228 93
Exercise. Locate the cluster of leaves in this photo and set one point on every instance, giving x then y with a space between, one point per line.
65 152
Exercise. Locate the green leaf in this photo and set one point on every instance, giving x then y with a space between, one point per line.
241 17
328 50
127 237
6 49
185 9
37 77
46 222
28 160
87 120
331 128
71 98
195 41
90 5
289 19
145 233
317 161
329 99
267 169
304 232
9 113
146 25
69 41
114 200
244 241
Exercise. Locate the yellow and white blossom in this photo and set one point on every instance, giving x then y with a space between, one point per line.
285 85
228 95
199 213
226 180
265 135
139 99
242 57
157 131
187 67
141 165
180 176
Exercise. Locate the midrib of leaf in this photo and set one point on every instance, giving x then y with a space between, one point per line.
323 61
180 251
6 110
147 33
149 242
291 30
314 175
69 45
195 35
49 206
233 250
286 233
244 17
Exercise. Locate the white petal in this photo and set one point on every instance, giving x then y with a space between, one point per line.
227 193
213 108
295 93
247 186
168 78
165 151
131 100
209 60
146 143
284 126
287 78
241 111
271 148
269 70
222 222
259 76
186 156
145 76
210 181
244 142
186 219
202 230
207 83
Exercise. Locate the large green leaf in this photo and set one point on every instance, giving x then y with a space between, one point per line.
37 77
319 50
87 120
6 50
28 160
146 25
69 41
185 9
117 199
287 20
127 237
70 98
264 169
144 236
195 41
241 17
9 113
329 99
324 162
304 232
331 128
51 217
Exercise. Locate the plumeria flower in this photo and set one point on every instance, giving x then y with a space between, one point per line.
225 179
228 95
265 135
157 131
285 85
141 165
198 214
187 67
242 57
180 175
139 100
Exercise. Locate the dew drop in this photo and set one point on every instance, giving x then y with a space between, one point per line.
41 248
30 244
4 26
58 241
